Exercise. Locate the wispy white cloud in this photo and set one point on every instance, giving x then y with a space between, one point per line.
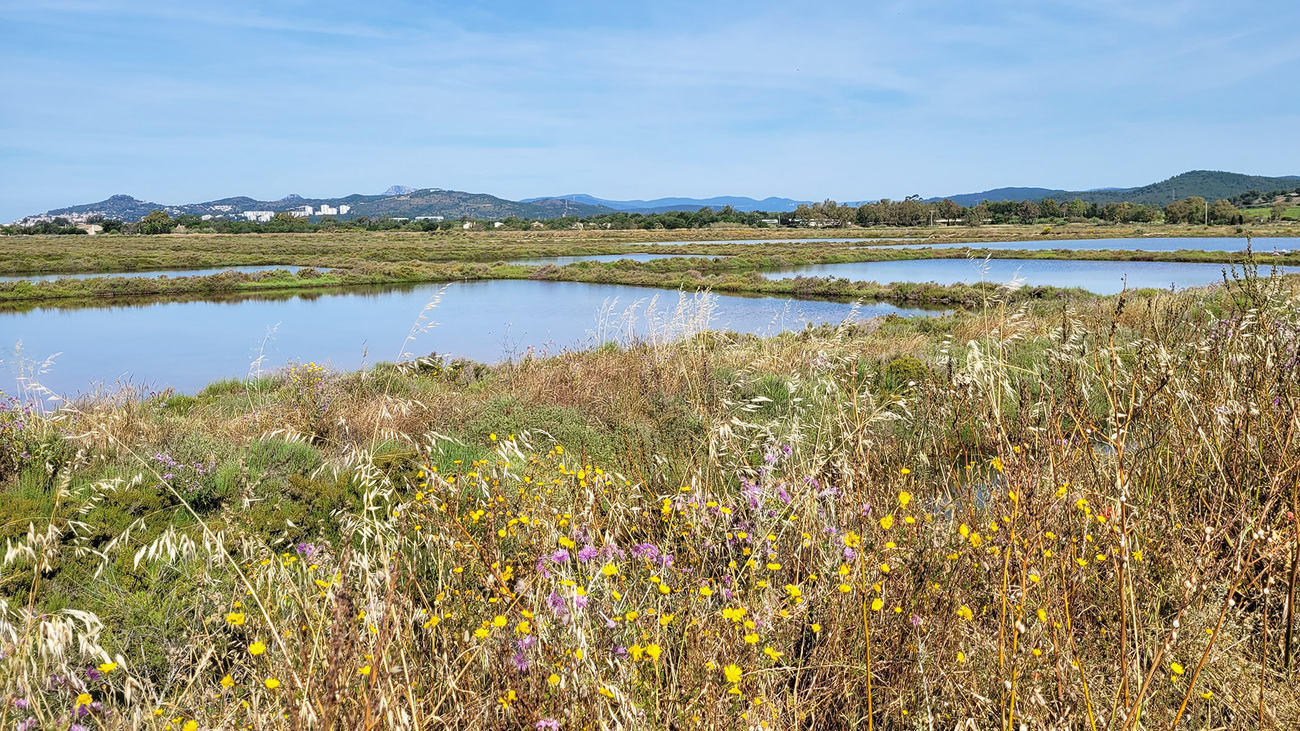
845 100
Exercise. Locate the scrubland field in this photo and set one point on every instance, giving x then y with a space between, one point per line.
1059 513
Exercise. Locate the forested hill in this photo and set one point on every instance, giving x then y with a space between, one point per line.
1208 184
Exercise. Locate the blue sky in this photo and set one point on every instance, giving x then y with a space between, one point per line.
179 102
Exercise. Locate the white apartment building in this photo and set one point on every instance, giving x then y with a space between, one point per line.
259 216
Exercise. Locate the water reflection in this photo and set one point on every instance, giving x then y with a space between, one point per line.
1101 277
187 344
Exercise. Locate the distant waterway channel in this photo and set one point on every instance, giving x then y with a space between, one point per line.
154 274
186 345
1100 277
560 261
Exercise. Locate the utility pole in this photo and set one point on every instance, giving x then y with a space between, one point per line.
1207 211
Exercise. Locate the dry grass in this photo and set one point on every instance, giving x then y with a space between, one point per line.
1072 518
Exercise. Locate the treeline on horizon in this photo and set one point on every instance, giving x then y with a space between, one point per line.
909 212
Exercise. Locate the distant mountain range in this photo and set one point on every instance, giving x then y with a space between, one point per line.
397 202
664 205
400 201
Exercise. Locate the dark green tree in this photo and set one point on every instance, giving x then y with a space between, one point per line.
1027 211
157 222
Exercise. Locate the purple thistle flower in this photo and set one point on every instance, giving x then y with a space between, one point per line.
521 662
556 603
559 556
586 553
548 724
645 550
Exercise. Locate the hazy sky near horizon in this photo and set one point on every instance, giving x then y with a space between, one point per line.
178 102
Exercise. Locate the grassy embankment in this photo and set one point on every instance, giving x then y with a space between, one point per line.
1292 213
1061 515
404 259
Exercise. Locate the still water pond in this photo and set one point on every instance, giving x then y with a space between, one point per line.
1236 243
186 345
163 273
1102 277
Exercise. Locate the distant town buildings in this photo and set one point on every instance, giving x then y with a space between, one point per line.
324 210
259 216
75 219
